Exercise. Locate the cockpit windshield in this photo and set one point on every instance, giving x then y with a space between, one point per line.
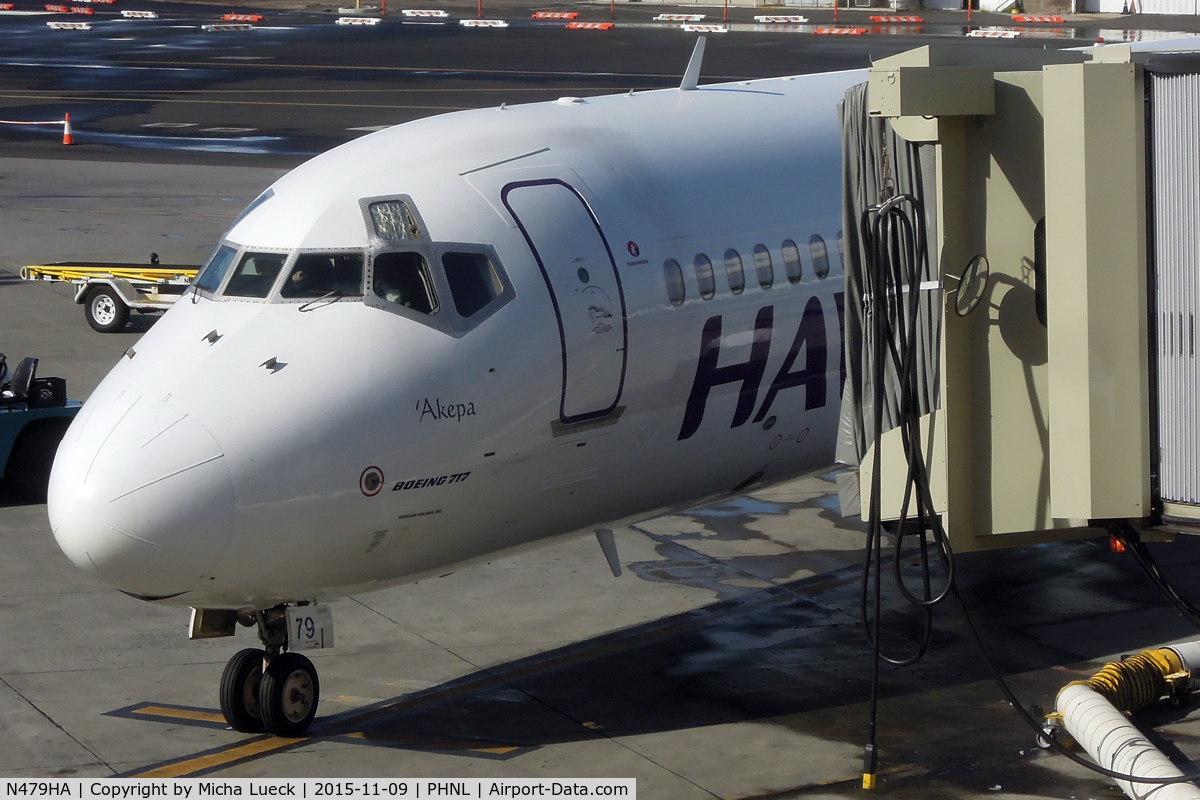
213 273
255 275
320 274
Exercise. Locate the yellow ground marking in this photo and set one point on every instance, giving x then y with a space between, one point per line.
498 749
249 750
180 713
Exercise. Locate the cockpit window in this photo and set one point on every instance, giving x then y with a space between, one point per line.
255 275
393 220
320 274
213 273
403 279
473 281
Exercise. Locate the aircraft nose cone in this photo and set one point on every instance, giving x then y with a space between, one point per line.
140 494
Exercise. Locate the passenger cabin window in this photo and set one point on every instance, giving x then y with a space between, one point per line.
213 273
762 264
473 281
403 279
321 274
393 220
255 275
791 261
673 276
820 255
706 282
734 272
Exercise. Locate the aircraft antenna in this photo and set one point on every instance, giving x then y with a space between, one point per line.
692 73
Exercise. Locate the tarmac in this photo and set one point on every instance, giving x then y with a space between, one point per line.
727 661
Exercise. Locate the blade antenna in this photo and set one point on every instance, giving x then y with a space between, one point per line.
692 74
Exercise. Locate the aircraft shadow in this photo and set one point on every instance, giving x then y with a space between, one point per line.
797 650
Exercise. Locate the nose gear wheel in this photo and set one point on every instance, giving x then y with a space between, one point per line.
240 689
288 695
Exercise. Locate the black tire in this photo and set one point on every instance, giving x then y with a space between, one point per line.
240 684
288 695
32 456
105 311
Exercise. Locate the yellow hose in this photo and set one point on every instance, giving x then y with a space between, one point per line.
1136 682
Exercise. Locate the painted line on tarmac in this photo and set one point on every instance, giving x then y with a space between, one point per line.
218 758
180 213
82 99
674 77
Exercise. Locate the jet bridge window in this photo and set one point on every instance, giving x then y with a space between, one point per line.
673 276
404 279
791 261
255 275
762 264
473 281
705 280
213 273
820 255
321 274
733 270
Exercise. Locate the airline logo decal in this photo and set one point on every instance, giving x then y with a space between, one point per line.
811 375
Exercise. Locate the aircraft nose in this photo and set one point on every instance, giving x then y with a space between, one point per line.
140 495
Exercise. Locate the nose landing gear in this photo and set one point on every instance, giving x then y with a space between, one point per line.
270 689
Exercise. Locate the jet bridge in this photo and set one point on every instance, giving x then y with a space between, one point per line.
1051 355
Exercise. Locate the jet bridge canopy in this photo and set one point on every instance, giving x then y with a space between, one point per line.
1056 333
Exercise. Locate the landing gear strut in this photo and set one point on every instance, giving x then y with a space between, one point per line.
270 689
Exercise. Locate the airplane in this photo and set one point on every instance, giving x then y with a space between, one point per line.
465 334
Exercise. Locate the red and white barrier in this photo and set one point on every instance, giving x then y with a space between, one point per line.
840 31
58 9
358 20
424 12
139 15
890 18
1037 18
709 28
590 26
679 18
83 10
483 23
555 15
222 27
781 18
243 18
6 6
69 26
993 33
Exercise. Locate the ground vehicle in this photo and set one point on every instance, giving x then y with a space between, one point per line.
108 292
34 415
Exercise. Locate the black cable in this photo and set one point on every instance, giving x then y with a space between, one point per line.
1127 535
1042 734
895 256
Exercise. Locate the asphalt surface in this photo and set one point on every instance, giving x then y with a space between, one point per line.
298 84
726 662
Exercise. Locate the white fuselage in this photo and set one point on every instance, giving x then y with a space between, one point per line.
383 442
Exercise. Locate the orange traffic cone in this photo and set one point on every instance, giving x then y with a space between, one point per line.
67 137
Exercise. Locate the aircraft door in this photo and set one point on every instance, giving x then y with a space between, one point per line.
581 276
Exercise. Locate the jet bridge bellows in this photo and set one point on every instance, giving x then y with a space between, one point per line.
1054 345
